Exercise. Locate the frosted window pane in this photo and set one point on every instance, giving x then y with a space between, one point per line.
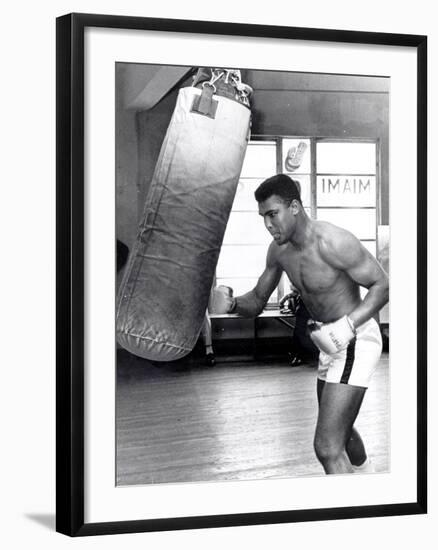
246 228
260 160
273 299
383 246
241 261
296 156
244 199
346 158
346 191
361 223
370 246
363 292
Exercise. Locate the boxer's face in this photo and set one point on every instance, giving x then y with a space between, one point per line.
279 217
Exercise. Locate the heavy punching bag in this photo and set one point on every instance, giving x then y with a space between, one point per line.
165 289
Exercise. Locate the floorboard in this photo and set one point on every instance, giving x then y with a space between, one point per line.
185 422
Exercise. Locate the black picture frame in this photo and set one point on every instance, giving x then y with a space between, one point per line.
70 273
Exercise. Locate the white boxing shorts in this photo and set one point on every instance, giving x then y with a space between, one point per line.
356 364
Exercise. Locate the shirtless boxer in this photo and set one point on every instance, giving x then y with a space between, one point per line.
327 265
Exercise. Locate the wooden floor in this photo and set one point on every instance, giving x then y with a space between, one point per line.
235 421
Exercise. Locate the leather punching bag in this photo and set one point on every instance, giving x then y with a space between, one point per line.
166 285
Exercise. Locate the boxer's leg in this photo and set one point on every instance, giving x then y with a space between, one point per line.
354 447
338 409
346 375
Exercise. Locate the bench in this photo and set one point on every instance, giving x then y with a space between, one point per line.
287 319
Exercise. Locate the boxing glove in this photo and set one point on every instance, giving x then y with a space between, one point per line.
294 157
221 300
332 337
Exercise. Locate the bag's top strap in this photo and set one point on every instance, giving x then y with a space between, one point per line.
224 82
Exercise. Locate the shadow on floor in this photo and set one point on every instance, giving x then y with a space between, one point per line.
46 520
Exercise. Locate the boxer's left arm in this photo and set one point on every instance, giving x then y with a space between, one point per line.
252 303
345 252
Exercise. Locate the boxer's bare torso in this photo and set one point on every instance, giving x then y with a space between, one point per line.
326 263
327 291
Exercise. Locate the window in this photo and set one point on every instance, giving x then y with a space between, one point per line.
338 183
243 254
346 187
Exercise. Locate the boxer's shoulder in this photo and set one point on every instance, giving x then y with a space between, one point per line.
327 232
335 243
275 250
277 253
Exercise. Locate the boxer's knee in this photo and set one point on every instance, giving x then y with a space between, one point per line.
327 449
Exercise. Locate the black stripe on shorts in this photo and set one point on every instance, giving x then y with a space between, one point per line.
349 360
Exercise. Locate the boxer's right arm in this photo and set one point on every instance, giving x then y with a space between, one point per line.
252 303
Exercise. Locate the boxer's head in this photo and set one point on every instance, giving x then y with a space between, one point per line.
280 206
280 185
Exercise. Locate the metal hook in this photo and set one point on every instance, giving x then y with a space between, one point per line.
214 78
209 84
